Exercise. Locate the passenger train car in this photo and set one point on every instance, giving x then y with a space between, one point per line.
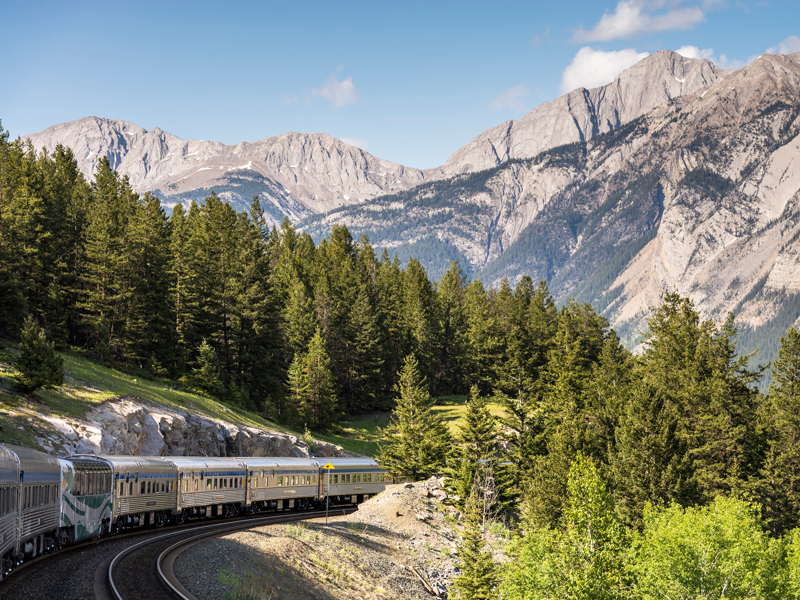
208 487
9 482
47 503
86 499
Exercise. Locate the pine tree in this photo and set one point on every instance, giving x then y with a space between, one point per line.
649 463
531 323
607 394
206 375
149 335
319 405
418 317
477 432
779 484
364 357
39 364
260 353
478 578
477 455
451 330
483 338
416 442
389 309
296 389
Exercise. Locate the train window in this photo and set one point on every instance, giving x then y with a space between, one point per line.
273 472
121 488
280 479
336 479
142 487
236 483
208 484
130 489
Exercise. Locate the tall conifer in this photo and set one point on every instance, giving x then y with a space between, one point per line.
416 442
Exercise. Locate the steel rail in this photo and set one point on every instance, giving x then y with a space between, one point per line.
164 564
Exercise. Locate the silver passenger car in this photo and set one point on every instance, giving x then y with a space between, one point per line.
38 502
351 480
281 483
208 486
9 482
145 490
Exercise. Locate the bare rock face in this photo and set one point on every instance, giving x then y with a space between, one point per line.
295 174
582 114
300 174
129 427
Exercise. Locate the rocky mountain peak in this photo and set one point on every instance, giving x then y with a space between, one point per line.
582 114
294 174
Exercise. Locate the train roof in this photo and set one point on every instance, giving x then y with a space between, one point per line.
9 470
84 463
203 462
259 462
33 460
135 463
6 456
349 463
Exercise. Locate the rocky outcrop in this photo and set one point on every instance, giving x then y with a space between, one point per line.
130 427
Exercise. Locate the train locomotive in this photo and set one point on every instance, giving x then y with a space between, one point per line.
47 503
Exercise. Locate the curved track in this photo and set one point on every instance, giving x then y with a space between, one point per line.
145 570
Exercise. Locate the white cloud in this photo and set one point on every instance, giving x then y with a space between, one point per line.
695 52
592 68
634 17
363 144
788 46
511 98
338 93
721 60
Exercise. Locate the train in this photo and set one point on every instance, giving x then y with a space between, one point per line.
47 503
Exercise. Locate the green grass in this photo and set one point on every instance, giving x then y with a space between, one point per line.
87 384
361 434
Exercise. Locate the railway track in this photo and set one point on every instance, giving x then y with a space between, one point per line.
144 571
45 578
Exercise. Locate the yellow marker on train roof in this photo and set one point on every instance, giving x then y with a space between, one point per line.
329 466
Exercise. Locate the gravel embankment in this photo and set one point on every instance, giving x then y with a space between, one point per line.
369 554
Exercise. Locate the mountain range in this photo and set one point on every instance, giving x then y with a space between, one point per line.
676 176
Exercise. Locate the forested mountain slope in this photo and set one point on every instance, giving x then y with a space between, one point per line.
699 196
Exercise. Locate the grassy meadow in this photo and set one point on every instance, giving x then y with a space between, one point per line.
88 383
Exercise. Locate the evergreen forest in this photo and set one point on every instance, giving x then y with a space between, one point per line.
612 469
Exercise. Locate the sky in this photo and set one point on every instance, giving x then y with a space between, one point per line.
409 82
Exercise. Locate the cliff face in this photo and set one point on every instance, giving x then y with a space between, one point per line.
583 114
294 175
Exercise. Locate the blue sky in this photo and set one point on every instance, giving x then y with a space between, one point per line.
409 82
